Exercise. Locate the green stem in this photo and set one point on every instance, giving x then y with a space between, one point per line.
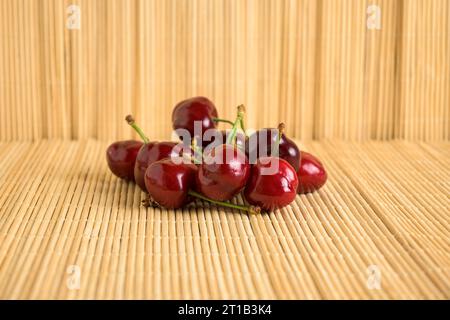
223 120
243 126
240 115
129 118
276 146
242 120
249 209
197 151
191 159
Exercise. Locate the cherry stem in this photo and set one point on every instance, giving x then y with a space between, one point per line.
276 147
129 118
197 151
223 120
249 209
149 202
243 126
242 121
189 158
238 121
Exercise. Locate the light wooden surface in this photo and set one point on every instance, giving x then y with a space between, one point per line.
386 204
311 63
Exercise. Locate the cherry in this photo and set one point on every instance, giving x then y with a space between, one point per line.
225 169
257 147
271 190
121 157
223 173
149 153
194 109
311 174
168 183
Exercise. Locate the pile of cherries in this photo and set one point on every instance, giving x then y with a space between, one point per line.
266 166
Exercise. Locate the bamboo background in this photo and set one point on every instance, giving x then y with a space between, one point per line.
312 64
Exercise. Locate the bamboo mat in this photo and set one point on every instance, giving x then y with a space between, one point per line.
386 204
314 64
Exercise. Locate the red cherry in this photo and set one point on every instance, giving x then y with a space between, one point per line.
121 157
168 183
194 109
288 150
271 191
223 173
225 168
150 153
311 174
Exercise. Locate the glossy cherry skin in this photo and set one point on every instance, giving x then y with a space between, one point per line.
288 150
223 173
311 174
194 109
168 183
121 157
149 153
271 191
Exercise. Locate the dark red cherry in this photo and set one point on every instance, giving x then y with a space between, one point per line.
169 183
225 169
257 146
121 157
194 109
223 173
272 184
311 174
149 153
